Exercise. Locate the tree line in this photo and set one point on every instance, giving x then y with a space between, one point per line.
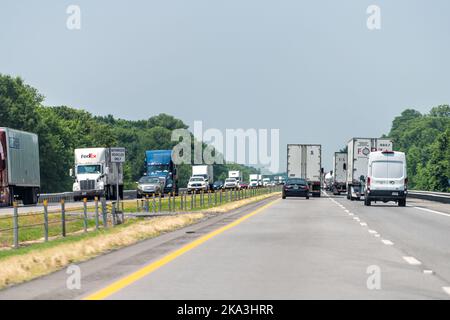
425 138
62 129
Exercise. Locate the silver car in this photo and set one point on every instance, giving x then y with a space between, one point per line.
147 186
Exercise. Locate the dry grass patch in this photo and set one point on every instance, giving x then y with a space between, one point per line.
17 269
240 203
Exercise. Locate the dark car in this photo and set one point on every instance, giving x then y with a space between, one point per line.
217 185
295 187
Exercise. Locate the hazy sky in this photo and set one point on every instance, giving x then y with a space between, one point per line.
310 68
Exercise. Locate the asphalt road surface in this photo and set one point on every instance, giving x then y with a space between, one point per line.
321 248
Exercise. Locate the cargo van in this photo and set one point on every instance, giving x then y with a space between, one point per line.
386 178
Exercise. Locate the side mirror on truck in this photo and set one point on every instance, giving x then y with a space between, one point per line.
71 172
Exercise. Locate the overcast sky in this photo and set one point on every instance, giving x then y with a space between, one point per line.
310 68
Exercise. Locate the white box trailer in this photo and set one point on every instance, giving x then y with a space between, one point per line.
19 167
205 171
96 175
339 173
235 174
305 161
358 150
253 181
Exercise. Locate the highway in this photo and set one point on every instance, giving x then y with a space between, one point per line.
319 248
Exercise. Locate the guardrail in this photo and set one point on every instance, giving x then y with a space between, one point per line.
443 197
68 196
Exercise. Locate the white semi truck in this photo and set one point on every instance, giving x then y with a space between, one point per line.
305 161
96 175
358 150
19 167
339 177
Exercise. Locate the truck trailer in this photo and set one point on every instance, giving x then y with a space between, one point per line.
96 175
205 171
358 160
339 177
19 167
305 161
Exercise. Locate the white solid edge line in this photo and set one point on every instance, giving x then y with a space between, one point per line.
363 224
412 261
428 271
387 242
433 211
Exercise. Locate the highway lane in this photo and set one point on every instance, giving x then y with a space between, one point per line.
421 230
293 249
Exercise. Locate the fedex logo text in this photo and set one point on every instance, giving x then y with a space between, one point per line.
88 156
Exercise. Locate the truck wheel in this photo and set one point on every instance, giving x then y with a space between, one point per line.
283 197
367 202
402 203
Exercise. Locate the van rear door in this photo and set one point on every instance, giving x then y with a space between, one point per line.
388 173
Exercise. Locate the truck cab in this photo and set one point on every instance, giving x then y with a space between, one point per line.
386 178
159 164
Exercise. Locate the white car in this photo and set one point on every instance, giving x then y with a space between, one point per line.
387 178
231 183
197 184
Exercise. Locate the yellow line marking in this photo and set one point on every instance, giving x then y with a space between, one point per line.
135 276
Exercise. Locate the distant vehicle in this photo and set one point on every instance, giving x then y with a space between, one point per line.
339 173
243 185
265 182
159 164
205 171
295 187
235 174
19 167
328 181
231 183
387 178
147 186
304 161
260 183
217 185
254 181
96 175
197 184
357 162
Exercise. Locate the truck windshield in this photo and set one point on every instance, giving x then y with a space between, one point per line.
197 179
158 168
148 180
89 169
230 180
387 169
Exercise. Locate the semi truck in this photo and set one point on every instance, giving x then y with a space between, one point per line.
253 180
158 163
205 171
358 150
305 161
339 177
96 175
19 167
235 174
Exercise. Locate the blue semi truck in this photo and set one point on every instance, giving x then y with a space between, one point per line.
158 163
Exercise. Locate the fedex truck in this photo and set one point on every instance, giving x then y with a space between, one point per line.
305 161
19 167
96 175
358 160
339 177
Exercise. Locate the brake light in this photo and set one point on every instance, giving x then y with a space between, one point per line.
406 183
368 181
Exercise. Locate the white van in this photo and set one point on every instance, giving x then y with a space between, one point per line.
386 178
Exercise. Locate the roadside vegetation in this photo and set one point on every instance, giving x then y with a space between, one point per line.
425 138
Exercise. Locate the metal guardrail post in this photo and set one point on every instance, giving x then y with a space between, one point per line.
85 222
147 204
159 202
104 213
63 218
96 213
16 226
174 201
45 220
153 203
113 213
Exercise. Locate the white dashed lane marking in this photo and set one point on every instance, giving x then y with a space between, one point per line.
413 261
387 242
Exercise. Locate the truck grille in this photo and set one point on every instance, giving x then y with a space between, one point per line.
87 184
